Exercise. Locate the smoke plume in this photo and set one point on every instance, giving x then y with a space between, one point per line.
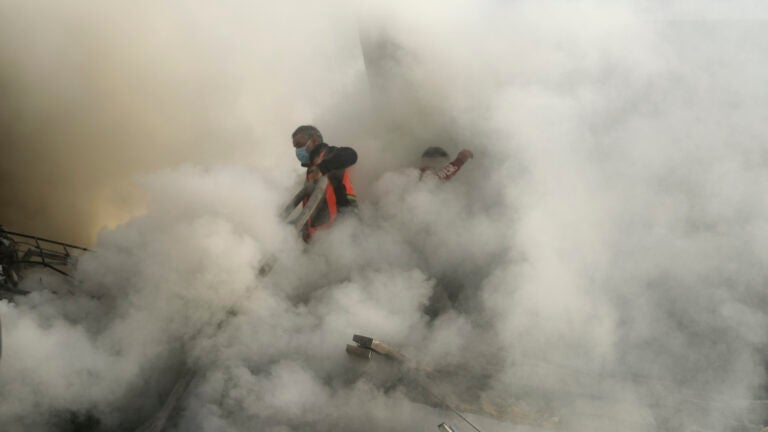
597 265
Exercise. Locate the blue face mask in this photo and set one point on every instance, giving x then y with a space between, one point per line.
302 155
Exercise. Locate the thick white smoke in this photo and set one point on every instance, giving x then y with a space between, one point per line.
597 266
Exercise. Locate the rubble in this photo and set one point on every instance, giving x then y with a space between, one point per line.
21 252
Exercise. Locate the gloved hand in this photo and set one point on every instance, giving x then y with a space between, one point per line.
464 155
314 174
305 235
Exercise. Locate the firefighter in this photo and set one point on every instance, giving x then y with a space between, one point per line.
322 159
435 162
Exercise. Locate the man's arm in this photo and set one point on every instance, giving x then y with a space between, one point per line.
451 168
341 158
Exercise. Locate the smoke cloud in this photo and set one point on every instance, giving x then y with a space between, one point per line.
597 266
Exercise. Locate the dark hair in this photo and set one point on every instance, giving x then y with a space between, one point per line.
308 131
435 152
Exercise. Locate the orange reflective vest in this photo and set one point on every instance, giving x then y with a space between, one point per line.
338 193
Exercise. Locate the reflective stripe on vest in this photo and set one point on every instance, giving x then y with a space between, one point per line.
351 196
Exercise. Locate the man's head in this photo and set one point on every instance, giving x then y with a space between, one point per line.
305 139
433 159
306 135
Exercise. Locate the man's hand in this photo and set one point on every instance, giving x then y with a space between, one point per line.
464 155
314 174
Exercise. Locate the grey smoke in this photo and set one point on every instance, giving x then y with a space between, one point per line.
600 260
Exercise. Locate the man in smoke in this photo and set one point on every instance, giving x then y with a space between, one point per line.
321 159
435 162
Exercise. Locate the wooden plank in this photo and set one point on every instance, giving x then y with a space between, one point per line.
359 352
379 347
313 203
297 199
314 192
157 422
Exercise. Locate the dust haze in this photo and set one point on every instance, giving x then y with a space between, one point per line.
597 266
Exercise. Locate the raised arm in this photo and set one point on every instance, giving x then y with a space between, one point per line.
341 158
451 168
